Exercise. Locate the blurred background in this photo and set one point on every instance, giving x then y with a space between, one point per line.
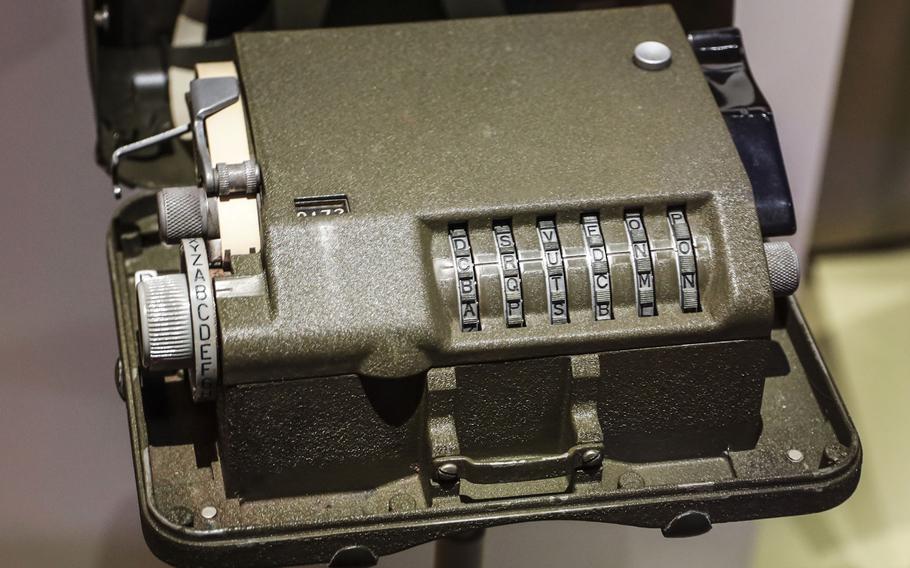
837 74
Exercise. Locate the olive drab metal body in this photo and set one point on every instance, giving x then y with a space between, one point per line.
434 277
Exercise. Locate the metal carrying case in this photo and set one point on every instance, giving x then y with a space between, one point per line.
460 274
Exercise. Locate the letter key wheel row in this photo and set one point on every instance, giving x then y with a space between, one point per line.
554 265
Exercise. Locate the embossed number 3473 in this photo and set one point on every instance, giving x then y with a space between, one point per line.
317 212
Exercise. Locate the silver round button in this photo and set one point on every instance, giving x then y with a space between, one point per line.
652 55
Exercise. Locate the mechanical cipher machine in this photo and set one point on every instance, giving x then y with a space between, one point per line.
438 277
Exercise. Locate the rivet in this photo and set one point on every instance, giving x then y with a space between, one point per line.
631 480
208 512
795 455
182 516
402 502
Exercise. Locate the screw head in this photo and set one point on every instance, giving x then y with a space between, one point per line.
120 378
447 472
102 17
652 55
591 458
833 454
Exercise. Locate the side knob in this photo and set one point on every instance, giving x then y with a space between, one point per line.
186 212
165 323
783 268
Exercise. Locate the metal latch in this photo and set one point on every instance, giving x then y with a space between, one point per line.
206 97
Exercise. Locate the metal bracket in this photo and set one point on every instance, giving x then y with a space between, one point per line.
455 472
206 97
139 145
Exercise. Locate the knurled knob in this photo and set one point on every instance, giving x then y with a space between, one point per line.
186 212
242 178
165 324
783 267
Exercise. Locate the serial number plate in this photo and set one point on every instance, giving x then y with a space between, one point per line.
322 206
